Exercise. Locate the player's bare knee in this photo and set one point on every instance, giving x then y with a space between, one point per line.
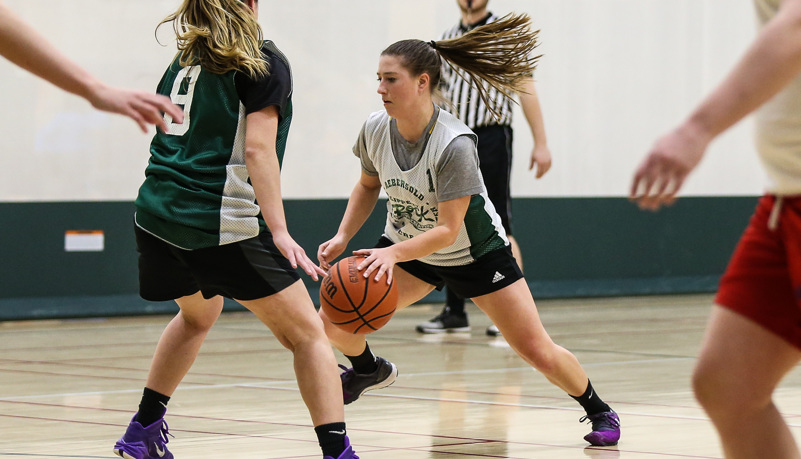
330 329
704 387
285 342
714 391
304 342
202 321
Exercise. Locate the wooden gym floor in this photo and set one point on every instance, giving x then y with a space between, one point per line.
69 388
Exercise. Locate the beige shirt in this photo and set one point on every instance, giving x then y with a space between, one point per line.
778 127
413 198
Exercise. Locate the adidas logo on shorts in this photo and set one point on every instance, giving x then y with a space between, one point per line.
498 277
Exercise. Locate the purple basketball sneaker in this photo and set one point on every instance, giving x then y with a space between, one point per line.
144 442
605 428
347 454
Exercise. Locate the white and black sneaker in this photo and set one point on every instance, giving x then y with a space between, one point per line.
445 322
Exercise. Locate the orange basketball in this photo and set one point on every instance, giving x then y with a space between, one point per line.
353 303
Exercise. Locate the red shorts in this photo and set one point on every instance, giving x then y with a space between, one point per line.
763 279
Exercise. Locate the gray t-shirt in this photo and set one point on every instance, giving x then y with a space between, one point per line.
457 172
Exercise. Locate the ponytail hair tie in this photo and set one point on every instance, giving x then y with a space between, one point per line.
433 44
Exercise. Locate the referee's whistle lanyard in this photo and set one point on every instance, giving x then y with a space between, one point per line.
773 221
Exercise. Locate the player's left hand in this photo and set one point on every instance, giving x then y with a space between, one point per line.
540 157
296 255
380 261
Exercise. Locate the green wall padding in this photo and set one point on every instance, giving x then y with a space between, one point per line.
572 247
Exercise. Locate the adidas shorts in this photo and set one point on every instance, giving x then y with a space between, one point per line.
486 275
763 279
245 270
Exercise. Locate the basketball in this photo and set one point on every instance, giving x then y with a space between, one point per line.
352 302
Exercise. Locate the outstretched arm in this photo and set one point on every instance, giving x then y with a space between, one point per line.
261 160
530 103
25 47
769 64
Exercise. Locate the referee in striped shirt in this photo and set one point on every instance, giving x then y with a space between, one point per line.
494 150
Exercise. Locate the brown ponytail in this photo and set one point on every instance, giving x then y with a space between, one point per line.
498 53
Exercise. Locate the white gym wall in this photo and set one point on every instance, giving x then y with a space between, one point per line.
615 74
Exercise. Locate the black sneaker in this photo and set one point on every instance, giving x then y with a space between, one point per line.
445 322
355 384
492 330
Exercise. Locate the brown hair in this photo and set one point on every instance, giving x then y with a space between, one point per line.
220 36
498 53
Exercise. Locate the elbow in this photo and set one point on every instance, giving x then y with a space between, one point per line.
257 151
253 154
450 236
370 189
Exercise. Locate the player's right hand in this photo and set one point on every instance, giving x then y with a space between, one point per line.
662 173
330 250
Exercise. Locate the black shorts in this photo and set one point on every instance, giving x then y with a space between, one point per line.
489 273
495 162
245 270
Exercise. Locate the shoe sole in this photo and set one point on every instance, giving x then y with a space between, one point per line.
385 383
432 331
602 443
599 441
122 454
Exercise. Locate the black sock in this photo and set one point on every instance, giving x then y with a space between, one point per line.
454 303
591 402
331 438
363 363
152 407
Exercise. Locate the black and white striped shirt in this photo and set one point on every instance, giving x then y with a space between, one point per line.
466 103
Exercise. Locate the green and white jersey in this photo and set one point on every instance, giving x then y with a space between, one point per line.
197 191
413 205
